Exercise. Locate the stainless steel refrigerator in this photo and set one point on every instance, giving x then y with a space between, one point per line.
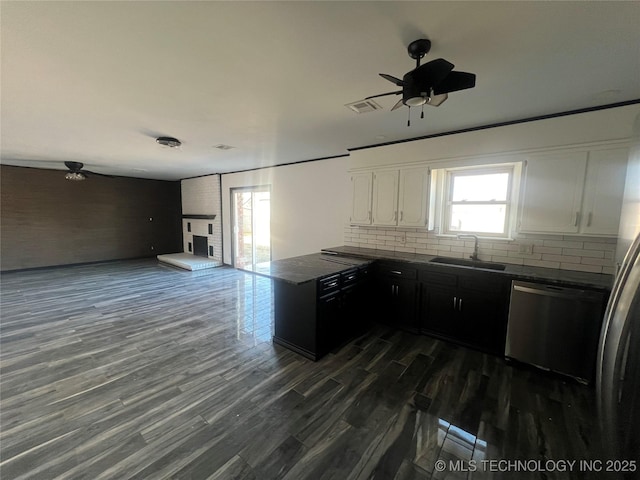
618 362
618 373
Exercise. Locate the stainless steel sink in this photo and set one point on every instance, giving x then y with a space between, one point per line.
468 263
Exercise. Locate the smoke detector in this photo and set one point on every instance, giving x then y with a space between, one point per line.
169 142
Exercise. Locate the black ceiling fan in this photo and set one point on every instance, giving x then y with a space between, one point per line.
427 84
77 173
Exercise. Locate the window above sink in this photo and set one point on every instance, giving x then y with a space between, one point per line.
477 200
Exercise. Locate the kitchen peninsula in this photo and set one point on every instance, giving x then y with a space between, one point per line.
315 300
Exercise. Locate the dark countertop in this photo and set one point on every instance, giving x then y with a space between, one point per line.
306 268
298 270
555 276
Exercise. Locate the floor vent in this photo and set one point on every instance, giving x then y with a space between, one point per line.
363 106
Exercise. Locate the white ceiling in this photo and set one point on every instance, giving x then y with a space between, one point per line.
96 82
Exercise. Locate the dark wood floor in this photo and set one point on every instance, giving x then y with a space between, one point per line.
132 370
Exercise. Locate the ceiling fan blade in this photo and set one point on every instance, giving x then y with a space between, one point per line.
433 72
89 172
397 105
455 81
384 94
392 79
437 100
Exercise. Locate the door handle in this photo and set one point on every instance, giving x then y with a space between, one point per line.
575 223
589 219
455 300
401 215
460 304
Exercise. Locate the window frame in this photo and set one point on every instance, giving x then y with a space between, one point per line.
447 196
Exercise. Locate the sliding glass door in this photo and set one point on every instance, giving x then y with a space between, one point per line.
251 214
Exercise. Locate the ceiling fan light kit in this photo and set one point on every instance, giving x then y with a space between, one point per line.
75 176
427 84
77 173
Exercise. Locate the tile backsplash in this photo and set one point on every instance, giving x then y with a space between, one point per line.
566 252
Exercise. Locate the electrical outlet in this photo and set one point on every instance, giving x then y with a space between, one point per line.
526 248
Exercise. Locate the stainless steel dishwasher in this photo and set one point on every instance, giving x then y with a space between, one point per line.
554 328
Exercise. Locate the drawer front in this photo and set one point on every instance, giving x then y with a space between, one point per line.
398 270
483 283
350 277
439 278
328 284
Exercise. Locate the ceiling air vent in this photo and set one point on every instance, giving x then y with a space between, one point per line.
363 106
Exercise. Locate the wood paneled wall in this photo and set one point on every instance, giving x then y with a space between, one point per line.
47 220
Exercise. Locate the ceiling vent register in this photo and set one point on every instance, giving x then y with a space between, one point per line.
363 106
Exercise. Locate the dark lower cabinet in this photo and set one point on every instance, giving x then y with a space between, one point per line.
316 317
397 296
469 308
438 309
484 319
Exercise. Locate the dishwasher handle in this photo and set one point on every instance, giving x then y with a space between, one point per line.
558 292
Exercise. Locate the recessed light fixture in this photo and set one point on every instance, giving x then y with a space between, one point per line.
169 142
222 146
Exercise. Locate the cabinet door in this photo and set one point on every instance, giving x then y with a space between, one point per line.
439 310
606 172
413 197
329 327
483 320
385 197
361 184
397 299
552 193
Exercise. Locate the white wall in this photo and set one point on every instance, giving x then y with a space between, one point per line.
310 205
596 126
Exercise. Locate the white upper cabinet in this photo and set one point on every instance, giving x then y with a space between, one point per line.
385 197
361 184
391 198
573 192
413 197
606 172
552 192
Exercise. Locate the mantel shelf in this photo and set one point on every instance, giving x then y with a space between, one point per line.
198 217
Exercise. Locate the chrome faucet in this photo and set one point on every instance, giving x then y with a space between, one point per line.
474 256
